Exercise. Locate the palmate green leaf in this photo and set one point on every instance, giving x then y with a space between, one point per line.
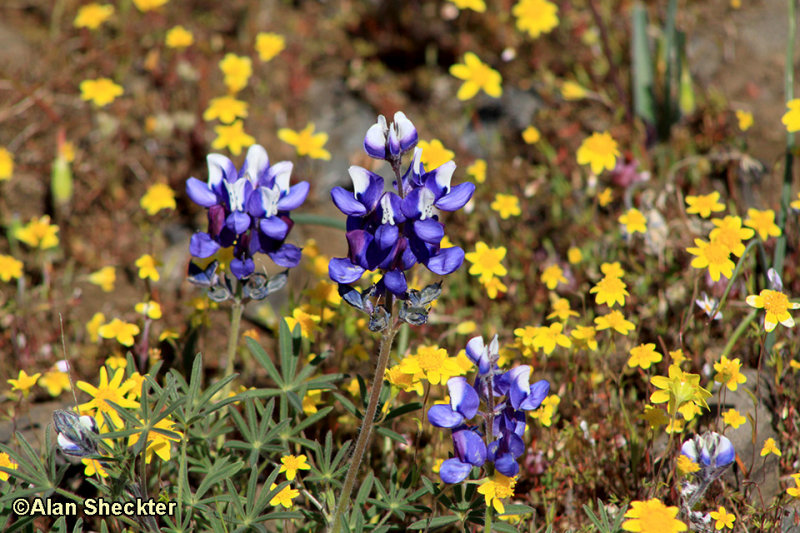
403 409
223 468
386 432
264 360
364 489
642 66
434 523
288 347
512 509
502 527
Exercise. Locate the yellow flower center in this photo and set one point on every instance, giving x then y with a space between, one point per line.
717 253
775 302
431 358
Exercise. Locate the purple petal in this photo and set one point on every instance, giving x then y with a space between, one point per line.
220 168
429 230
410 205
242 268
274 228
536 396
439 179
347 203
520 385
202 245
446 261
238 222
372 194
393 143
456 198
406 132
255 163
295 198
476 351
507 465
725 454
287 256
442 416
342 270
454 471
358 242
200 193
469 447
280 173
386 236
396 282
463 397
375 140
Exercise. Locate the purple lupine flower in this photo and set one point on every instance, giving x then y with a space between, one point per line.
511 394
390 141
392 231
247 210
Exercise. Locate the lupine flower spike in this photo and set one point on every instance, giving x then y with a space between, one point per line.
503 419
249 211
391 231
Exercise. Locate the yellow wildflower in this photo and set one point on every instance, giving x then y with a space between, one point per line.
237 71
101 91
104 278
477 76
733 418
291 464
24 382
777 306
497 488
634 221
434 154
93 15
6 164
745 119
147 267
486 262
268 45
179 37
791 119
478 171
643 356
117 329
614 320
770 447
652 516
552 276
599 151
763 222
39 233
703 205
158 196
10 268
306 142
233 137
506 205
535 16
713 255
728 373
531 135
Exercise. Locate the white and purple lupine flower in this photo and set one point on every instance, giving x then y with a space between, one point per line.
247 209
392 232
390 141
512 395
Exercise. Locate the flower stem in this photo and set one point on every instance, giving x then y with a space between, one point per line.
233 342
786 189
489 513
366 425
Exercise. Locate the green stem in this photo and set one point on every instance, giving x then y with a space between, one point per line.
738 332
786 192
319 220
489 513
233 343
366 424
